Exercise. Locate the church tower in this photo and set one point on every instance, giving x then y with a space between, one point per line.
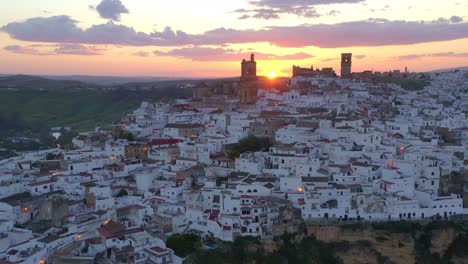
346 65
249 69
248 89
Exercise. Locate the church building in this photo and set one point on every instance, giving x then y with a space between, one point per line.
246 89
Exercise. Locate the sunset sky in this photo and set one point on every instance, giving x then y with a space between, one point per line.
209 38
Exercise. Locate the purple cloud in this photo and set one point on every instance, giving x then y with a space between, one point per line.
111 9
348 34
272 9
169 37
289 3
429 55
329 59
243 17
76 49
456 19
359 57
50 29
62 29
54 49
219 54
274 13
23 50
141 54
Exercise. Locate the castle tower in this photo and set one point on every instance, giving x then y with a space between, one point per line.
248 89
346 65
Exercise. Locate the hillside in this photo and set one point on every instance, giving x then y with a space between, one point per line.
39 83
30 114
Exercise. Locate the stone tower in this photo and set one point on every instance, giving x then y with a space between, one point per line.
248 89
249 69
346 65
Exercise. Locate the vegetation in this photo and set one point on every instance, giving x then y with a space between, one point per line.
130 137
122 193
80 109
31 113
39 83
413 240
250 143
405 227
407 84
183 245
293 249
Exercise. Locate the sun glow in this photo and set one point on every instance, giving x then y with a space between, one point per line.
271 75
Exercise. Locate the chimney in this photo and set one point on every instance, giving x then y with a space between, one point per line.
252 57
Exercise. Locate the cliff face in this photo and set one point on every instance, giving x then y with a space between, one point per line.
367 245
374 244
440 242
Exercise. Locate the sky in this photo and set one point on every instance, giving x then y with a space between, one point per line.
209 38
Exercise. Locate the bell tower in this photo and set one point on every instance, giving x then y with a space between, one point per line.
248 89
346 65
249 69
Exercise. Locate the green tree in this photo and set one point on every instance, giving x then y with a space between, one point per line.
122 193
183 245
249 144
130 137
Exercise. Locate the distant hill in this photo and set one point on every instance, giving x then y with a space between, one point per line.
109 80
96 82
38 83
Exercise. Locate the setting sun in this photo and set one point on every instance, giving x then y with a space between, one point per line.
271 75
